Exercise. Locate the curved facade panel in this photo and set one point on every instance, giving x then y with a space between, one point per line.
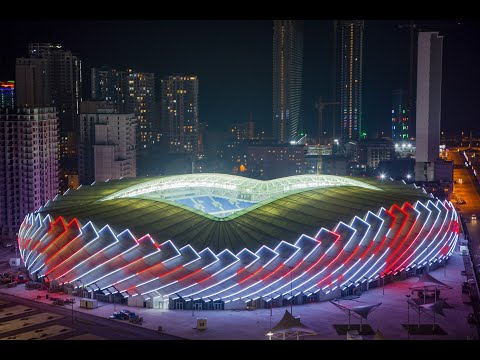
106 260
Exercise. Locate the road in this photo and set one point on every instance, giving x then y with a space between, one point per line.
468 192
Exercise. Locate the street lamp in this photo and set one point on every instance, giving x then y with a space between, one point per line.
291 290
114 305
271 306
408 316
71 300
82 289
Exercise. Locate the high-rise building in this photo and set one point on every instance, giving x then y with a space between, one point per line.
180 113
7 94
107 147
349 37
51 76
142 96
28 165
401 128
129 92
267 162
243 131
104 84
371 152
429 104
32 86
287 79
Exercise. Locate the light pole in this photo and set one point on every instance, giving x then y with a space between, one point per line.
291 290
83 287
271 307
408 316
72 311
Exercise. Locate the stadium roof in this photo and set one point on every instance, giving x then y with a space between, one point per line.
288 208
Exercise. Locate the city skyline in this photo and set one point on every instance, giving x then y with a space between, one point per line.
236 167
220 58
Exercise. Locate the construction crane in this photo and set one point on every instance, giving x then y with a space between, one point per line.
320 106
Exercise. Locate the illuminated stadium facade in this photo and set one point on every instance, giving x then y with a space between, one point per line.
212 241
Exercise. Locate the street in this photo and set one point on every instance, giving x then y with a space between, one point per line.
468 192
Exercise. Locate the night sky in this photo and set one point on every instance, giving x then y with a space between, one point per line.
233 60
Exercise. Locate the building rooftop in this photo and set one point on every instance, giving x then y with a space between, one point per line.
280 209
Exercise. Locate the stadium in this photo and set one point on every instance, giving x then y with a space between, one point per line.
215 241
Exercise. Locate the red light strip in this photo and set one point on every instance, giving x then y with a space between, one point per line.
52 228
248 277
73 225
397 248
158 277
325 253
330 263
29 242
412 243
82 245
394 219
191 274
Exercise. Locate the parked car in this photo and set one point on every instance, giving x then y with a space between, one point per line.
120 315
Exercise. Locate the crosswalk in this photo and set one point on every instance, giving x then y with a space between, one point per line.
19 322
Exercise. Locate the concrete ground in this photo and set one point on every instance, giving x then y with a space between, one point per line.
253 325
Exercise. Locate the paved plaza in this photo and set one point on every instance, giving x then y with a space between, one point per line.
253 325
